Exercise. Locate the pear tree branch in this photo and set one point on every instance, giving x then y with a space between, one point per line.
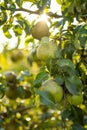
37 12
18 110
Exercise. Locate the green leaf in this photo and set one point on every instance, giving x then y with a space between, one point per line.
17 30
3 17
77 127
19 2
28 39
59 79
12 7
80 36
6 31
18 16
27 27
66 66
68 50
46 98
7 34
59 2
66 113
42 76
65 62
77 115
41 4
24 24
74 85
20 91
59 53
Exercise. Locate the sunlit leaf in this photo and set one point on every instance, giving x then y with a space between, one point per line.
3 17
18 16
59 2
43 4
28 39
33 1
17 30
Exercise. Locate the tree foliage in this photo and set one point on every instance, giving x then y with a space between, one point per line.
22 105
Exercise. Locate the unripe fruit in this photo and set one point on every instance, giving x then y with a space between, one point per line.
17 56
11 93
75 99
54 89
40 30
10 76
46 50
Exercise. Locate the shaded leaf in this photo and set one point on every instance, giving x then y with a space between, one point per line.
80 36
77 115
12 7
74 85
46 98
19 2
42 76
65 62
66 113
59 79
77 127
21 92
66 66
27 27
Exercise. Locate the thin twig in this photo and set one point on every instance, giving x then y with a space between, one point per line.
18 110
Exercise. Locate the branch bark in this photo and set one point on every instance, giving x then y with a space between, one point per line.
37 12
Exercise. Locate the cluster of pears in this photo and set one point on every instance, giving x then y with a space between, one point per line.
54 90
12 91
56 93
46 49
